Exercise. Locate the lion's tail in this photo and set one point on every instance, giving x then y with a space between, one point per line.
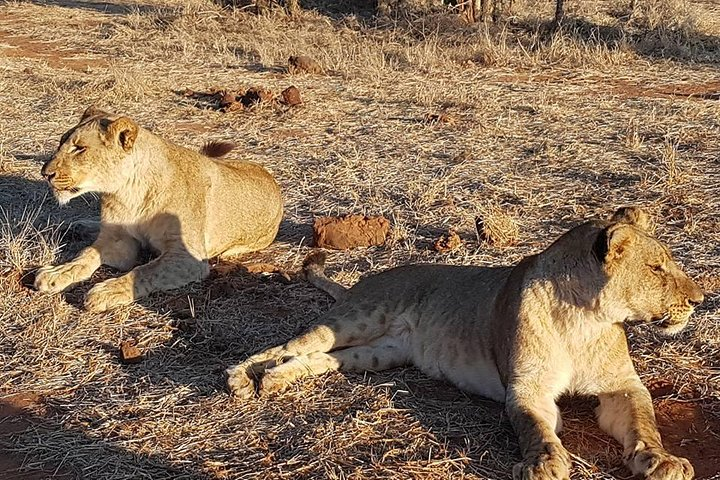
217 149
314 270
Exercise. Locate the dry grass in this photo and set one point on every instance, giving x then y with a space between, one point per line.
497 227
554 127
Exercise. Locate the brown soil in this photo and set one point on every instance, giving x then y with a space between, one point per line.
341 233
15 417
687 431
56 56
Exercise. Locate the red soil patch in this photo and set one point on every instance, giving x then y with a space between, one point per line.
53 53
705 90
687 431
350 231
15 417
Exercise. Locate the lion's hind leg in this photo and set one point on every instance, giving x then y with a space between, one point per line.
353 359
241 378
320 338
340 328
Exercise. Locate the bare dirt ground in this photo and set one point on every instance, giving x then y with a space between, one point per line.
541 127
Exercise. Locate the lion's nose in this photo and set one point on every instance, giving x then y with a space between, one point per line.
48 171
696 296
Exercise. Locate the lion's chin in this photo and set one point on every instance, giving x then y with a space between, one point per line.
65 195
668 327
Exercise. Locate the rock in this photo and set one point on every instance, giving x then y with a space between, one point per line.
350 231
228 98
436 118
448 244
304 64
129 353
256 95
291 96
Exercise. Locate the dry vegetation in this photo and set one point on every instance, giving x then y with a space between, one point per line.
549 127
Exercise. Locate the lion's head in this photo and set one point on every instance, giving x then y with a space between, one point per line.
91 156
642 275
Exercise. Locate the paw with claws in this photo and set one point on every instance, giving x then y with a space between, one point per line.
109 294
239 382
657 464
55 279
550 462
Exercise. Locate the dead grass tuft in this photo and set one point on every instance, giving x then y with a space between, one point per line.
24 243
674 176
497 227
632 138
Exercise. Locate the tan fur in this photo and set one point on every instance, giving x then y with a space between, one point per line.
524 335
314 270
181 204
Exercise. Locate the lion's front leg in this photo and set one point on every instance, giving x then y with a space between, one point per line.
113 247
170 270
627 414
56 278
535 419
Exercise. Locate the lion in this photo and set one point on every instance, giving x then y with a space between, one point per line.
184 206
523 335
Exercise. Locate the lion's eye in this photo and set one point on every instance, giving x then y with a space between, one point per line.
657 268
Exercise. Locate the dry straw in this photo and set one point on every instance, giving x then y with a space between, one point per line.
538 118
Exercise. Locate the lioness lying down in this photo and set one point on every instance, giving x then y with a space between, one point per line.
181 204
526 334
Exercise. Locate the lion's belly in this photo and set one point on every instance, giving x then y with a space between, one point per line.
462 363
480 377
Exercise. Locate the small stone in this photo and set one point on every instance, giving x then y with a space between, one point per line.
448 243
291 96
304 64
256 95
129 353
350 231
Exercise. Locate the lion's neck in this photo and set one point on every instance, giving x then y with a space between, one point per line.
576 287
141 186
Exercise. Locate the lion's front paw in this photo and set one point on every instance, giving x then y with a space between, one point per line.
550 462
239 382
657 464
109 294
55 279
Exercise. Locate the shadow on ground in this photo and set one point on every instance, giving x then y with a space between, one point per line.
27 413
111 8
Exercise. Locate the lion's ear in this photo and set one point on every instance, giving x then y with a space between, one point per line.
633 216
612 242
93 111
124 131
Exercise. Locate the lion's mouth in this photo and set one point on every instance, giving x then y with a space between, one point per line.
667 325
